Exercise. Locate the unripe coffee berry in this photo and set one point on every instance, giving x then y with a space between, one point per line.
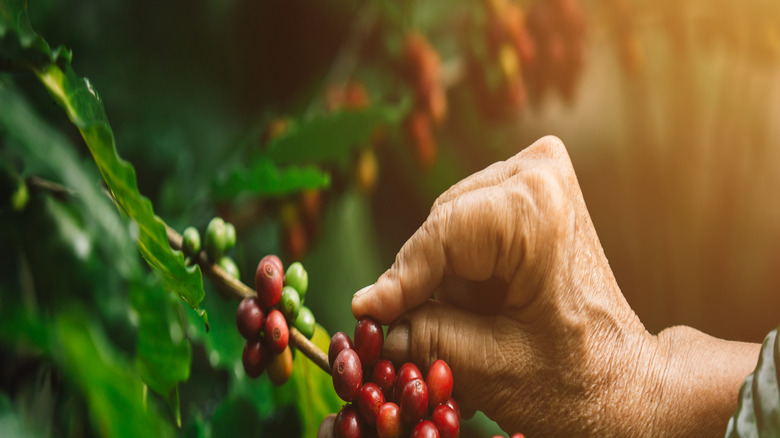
305 322
425 429
388 421
250 318
369 401
230 236
229 266
280 367
447 421
268 280
190 242
406 374
348 423
255 358
338 342
368 340
348 375
215 239
414 401
439 381
290 303
384 376
298 278
277 334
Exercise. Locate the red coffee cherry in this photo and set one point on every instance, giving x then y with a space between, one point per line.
368 340
439 381
425 429
277 333
269 279
255 357
388 421
384 376
454 405
347 375
406 374
349 424
339 342
369 402
414 401
249 318
447 421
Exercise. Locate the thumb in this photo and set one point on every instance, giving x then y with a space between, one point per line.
466 341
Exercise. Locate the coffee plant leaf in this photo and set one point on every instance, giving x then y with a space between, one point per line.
85 110
264 178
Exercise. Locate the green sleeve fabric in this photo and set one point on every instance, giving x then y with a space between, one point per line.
758 411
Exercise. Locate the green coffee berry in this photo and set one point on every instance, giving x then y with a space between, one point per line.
230 236
215 239
190 243
305 322
290 303
297 277
229 266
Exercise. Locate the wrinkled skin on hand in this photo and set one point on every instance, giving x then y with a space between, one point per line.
508 283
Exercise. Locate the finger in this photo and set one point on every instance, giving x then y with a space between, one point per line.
473 346
546 148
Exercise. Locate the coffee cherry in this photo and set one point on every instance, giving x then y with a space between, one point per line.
268 280
414 401
454 405
406 374
298 278
338 342
447 421
305 322
327 427
348 423
388 421
250 318
348 375
255 358
215 239
368 340
276 332
230 236
229 266
384 376
425 429
369 401
518 435
190 242
280 367
439 381
290 303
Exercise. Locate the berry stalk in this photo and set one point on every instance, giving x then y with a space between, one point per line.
233 288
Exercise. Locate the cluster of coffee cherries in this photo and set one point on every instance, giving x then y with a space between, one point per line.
264 320
383 402
220 238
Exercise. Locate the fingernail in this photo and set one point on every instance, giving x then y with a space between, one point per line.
397 346
363 291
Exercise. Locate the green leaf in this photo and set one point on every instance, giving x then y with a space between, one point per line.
85 110
46 152
163 354
114 394
758 411
328 138
264 178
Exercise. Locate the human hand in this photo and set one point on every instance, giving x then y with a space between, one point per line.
507 282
